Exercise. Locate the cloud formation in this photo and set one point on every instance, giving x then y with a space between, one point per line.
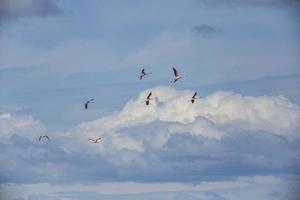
23 125
27 8
253 2
261 187
205 29
169 140
276 115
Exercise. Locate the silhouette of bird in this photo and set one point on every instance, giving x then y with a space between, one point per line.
86 104
148 98
143 73
176 74
95 140
194 97
44 136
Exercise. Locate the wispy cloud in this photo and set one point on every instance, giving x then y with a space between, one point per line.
205 29
10 9
261 187
252 2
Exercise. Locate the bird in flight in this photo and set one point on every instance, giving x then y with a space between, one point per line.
44 136
176 74
95 140
147 101
194 97
143 73
86 104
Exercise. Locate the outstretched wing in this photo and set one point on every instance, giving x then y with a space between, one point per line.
40 138
143 71
195 95
175 72
91 139
86 105
46 136
149 95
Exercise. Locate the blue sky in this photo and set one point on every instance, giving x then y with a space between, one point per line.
241 137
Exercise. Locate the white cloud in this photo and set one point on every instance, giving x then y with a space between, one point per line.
127 143
206 118
263 185
171 139
22 125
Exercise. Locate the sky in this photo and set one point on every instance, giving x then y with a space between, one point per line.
240 139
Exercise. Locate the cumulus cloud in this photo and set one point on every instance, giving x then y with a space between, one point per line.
27 8
276 115
23 125
169 140
172 129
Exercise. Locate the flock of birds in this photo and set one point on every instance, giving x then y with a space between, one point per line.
143 73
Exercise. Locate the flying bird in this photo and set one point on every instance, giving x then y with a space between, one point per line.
194 97
86 104
44 136
176 74
148 98
143 73
95 140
